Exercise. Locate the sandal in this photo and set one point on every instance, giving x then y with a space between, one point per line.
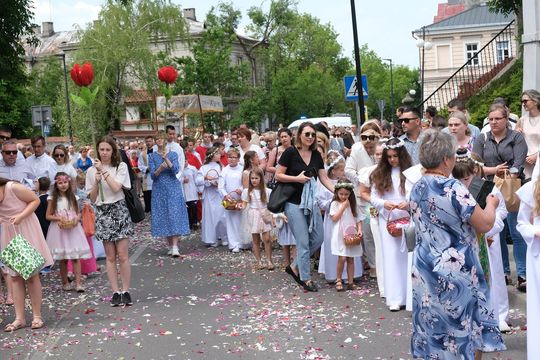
271 267
67 287
16 325
260 266
339 285
79 289
352 286
37 322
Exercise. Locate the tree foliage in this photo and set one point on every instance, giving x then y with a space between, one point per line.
15 24
127 45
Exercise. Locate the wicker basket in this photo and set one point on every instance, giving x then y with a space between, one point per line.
395 227
350 236
232 204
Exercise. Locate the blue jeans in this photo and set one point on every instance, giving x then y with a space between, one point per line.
520 247
306 242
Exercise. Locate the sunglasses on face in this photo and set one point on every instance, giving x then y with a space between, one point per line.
59 155
5 138
369 137
10 152
337 135
406 120
310 134
524 101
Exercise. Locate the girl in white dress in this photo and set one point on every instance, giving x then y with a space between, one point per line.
231 189
260 220
328 261
213 227
466 168
344 215
529 227
388 197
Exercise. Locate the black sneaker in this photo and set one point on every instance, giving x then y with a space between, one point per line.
116 299
126 299
522 284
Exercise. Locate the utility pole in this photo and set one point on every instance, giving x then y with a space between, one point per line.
361 107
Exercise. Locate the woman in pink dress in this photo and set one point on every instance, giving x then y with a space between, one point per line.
17 205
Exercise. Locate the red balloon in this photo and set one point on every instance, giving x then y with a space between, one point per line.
167 74
82 75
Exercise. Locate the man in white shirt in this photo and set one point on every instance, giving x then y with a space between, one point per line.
40 163
12 168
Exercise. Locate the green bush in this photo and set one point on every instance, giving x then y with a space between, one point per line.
508 86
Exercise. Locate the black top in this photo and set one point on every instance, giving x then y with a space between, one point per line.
292 160
40 212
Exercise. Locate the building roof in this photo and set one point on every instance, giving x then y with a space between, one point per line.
476 16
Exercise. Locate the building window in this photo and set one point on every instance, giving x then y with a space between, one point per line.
471 50
503 51
443 57
239 60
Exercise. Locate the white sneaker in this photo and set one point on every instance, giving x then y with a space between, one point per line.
224 243
169 252
235 250
394 307
175 252
503 326
213 245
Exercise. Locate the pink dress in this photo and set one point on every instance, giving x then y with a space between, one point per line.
67 243
29 227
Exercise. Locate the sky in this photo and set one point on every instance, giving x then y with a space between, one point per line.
384 25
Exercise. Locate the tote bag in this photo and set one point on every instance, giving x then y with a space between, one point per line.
20 256
279 196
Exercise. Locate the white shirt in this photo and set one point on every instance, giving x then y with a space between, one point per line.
19 172
191 192
41 166
120 174
252 147
67 168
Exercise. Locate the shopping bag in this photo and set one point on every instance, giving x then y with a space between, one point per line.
20 256
508 186
88 220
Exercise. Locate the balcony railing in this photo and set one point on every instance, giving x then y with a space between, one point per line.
481 67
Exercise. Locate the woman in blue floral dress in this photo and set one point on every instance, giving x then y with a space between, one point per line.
452 315
169 212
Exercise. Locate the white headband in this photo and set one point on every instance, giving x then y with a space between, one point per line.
399 144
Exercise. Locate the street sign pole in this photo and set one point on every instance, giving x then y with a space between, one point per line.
357 62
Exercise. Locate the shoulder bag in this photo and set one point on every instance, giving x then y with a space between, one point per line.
133 203
279 196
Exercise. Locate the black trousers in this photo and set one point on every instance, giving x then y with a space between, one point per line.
192 212
147 196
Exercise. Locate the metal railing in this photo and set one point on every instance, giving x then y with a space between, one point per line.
478 71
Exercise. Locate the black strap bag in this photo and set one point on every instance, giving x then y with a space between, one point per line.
134 205
279 196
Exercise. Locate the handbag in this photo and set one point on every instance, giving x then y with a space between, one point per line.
88 220
267 216
279 196
134 205
508 186
20 256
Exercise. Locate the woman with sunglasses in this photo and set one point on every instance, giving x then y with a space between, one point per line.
529 126
60 155
301 165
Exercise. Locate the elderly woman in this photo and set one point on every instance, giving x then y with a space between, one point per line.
244 138
301 165
452 315
529 125
169 212
458 126
502 149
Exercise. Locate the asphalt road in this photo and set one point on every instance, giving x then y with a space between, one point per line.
212 304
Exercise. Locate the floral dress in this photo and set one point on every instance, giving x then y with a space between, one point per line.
452 314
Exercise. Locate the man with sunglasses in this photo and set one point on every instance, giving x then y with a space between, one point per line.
12 168
5 135
40 163
410 120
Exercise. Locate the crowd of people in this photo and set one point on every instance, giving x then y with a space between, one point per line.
422 204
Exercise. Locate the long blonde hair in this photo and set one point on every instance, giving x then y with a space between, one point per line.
537 197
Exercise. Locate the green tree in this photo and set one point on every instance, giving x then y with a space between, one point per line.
122 46
509 7
379 85
15 20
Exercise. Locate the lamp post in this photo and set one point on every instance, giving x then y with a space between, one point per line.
423 45
358 68
68 105
391 89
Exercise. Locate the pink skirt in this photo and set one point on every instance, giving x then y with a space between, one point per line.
68 244
256 223
88 266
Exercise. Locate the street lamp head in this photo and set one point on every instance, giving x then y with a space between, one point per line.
412 92
419 43
428 45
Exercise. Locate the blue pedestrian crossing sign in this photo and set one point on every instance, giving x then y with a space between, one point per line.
351 88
